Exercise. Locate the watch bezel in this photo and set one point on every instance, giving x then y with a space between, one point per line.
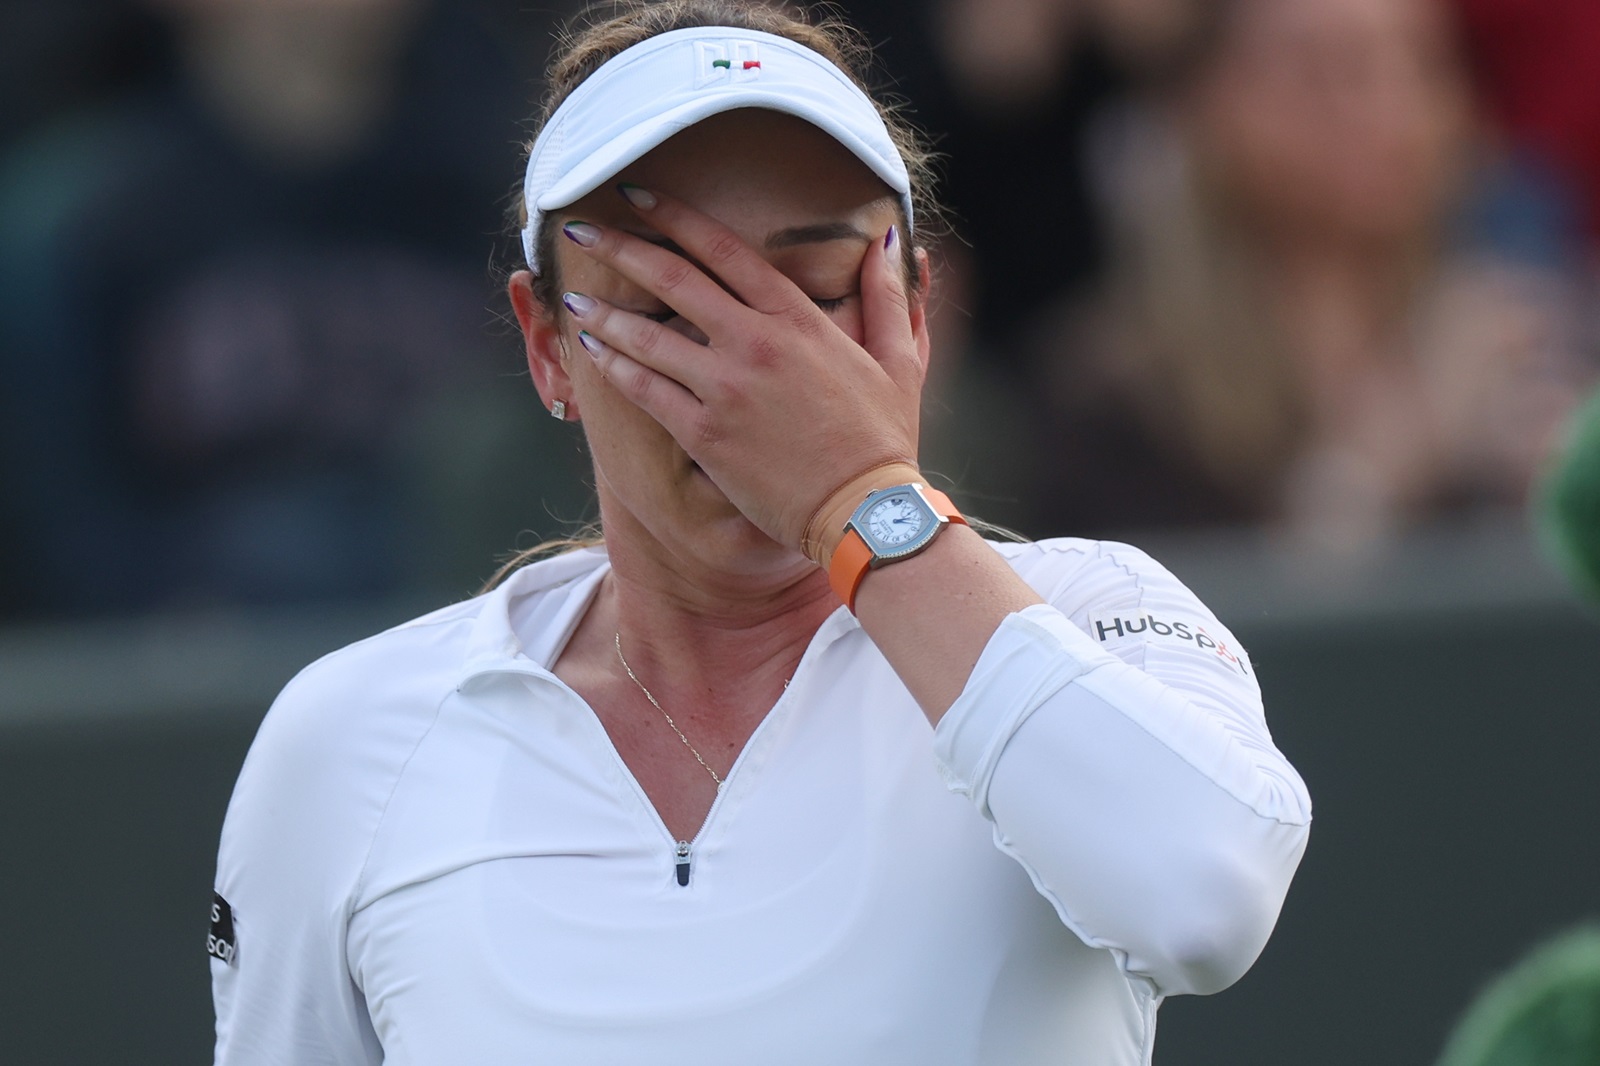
882 553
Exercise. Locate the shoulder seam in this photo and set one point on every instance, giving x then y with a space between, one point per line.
394 786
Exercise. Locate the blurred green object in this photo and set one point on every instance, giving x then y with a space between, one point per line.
1544 1012
1568 505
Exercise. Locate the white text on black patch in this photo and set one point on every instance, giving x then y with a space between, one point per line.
221 942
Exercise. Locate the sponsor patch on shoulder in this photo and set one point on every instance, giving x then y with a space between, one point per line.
221 941
1112 627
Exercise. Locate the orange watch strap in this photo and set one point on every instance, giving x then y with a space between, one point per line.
851 561
852 558
942 504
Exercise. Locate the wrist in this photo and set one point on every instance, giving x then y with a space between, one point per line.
892 524
827 526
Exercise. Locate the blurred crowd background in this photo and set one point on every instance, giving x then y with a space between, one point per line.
1298 293
1326 268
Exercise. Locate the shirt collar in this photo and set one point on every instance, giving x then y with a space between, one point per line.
565 584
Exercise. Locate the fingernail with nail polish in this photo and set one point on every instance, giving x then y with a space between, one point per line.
581 233
639 197
590 344
576 302
889 238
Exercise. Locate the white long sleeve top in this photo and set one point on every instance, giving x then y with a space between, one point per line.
434 854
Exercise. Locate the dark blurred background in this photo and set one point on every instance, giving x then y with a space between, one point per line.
1299 294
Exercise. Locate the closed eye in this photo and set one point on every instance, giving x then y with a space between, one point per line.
827 306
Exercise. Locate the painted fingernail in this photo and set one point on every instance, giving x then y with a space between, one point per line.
891 237
639 197
576 302
590 344
581 233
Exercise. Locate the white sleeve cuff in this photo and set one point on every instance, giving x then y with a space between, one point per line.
1034 654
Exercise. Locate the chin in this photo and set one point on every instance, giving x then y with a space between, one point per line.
737 547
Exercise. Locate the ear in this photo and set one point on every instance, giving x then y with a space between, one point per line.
919 309
541 339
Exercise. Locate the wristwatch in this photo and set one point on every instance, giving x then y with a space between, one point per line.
891 524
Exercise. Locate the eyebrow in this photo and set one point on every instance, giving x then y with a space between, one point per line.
825 231
818 233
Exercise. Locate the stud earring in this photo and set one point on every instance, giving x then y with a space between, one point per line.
558 410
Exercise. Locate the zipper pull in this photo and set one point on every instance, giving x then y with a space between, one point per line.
683 862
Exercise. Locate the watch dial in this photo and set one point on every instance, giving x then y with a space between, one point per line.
895 520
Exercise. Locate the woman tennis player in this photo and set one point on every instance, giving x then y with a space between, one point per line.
796 766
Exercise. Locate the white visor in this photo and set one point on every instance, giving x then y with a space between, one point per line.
664 85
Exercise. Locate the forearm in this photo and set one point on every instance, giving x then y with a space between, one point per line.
933 614
1145 798
1161 823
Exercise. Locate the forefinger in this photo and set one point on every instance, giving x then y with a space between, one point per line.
720 251
670 277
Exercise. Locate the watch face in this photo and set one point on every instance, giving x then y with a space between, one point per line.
896 520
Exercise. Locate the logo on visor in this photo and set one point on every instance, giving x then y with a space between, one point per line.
728 61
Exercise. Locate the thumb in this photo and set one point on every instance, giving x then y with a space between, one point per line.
886 308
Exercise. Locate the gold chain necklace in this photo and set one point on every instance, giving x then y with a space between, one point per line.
631 677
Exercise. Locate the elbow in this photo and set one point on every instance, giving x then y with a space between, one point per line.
1213 951
1226 918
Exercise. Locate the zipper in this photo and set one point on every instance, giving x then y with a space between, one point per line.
683 863
681 850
